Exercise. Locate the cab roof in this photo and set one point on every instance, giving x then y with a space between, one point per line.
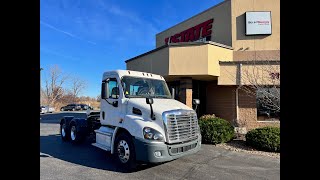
121 73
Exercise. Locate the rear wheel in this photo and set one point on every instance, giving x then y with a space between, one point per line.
75 135
64 132
125 151
73 109
62 109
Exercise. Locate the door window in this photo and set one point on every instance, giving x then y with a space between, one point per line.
113 88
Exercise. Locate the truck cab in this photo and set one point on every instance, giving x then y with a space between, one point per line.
138 120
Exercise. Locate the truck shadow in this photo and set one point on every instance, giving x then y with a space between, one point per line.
83 154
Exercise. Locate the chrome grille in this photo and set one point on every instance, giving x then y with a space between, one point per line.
181 125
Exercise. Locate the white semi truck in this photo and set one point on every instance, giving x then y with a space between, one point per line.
138 120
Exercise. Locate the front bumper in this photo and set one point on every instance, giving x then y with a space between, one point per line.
145 151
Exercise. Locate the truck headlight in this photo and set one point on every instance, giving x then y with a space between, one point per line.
152 134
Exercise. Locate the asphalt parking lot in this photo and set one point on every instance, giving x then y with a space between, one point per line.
62 160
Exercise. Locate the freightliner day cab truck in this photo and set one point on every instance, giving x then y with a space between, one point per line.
138 120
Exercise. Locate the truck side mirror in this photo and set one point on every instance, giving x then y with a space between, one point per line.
149 100
104 90
196 101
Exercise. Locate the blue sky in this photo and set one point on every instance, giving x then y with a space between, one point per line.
87 37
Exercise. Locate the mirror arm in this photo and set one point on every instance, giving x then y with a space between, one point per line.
152 114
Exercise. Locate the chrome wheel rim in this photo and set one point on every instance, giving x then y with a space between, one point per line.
123 151
63 132
73 133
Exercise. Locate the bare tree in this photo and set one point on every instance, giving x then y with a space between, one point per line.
98 98
66 98
53 84
77 86
42 96
259 79
262 80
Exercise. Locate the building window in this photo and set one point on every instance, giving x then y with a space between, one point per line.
268 104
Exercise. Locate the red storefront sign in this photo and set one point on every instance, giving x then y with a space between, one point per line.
193 33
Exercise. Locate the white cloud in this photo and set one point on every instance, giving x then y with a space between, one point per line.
56 29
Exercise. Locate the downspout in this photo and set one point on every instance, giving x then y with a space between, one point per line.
237 93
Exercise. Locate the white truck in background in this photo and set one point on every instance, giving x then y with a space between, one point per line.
138 120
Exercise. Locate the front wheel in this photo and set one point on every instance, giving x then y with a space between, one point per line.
125 151
61 109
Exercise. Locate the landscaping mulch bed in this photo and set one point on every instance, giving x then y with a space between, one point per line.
240 146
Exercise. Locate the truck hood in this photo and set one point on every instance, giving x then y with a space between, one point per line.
159 106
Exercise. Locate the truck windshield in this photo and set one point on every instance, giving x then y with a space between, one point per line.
137 87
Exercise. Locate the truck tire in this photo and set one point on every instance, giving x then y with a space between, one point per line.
125 152
76 136
65 135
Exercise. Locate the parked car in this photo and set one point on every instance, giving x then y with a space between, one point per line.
84 106
71 107
46 109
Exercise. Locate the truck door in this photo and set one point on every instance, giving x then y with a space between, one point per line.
110 103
